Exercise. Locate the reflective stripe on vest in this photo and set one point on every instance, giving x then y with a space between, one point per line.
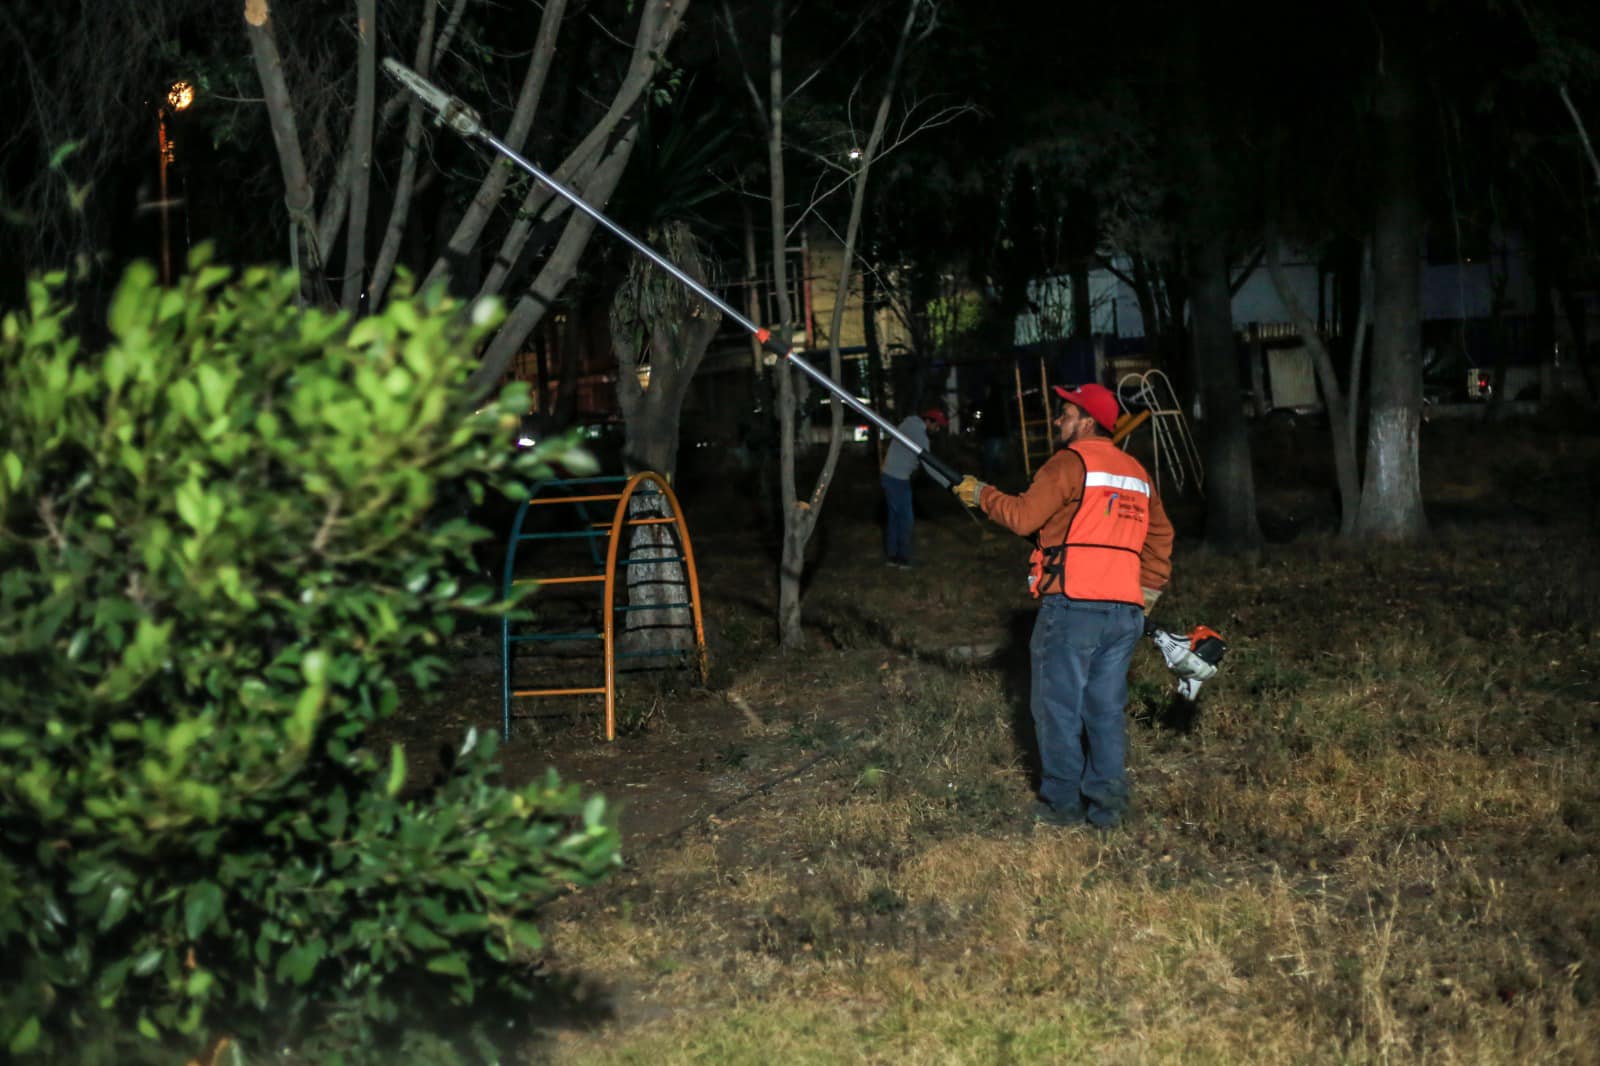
1100 553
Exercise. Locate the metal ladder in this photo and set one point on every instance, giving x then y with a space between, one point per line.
1175 450
1033 433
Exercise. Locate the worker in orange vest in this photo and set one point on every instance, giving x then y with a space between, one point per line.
1102 555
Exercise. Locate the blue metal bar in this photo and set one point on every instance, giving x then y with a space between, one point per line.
563 535
567 482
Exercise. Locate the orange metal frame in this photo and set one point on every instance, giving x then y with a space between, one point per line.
619 522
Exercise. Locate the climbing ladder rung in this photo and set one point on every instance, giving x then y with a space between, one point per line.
622 608
651 652
590 533
642 560
523 637
579 579
639 522
601 691
613 497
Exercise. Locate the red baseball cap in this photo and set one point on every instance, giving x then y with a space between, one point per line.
933 414
1097 401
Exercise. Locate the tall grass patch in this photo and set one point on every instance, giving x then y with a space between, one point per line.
1375 840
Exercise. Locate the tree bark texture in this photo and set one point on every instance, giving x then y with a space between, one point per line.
1231 523
558 270
355 249
337 199
792 554
678 331
591 169
405 185
596 152
470 229
298 195
1391 498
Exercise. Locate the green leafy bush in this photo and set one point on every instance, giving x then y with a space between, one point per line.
222 551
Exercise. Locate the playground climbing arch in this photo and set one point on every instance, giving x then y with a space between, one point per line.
602 516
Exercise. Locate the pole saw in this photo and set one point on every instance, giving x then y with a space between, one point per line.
451 112
1192 657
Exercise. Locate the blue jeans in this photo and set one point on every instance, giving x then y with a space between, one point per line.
897 533
1080 656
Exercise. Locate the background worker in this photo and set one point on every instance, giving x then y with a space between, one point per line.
1103 553
898 466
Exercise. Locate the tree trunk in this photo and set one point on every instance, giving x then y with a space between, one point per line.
1231 523
1358 351
298 195
1391 499
338 198
355 248
1082 312
659 332
800 517
1574 304
791 559
400 209
591 170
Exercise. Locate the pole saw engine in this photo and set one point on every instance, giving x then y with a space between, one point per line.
1193 657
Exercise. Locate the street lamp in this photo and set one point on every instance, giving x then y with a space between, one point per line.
180 97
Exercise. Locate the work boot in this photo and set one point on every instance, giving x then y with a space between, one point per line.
1041 813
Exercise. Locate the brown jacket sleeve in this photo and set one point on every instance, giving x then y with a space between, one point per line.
1155 560
1052 499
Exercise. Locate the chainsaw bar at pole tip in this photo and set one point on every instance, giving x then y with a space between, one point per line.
448 110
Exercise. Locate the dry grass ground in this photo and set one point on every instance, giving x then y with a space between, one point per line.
1377 841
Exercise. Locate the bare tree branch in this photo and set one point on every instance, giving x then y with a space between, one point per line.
557 271
298 196
405 185
338 197
470 228
1583 133
355 248
758 105
657 23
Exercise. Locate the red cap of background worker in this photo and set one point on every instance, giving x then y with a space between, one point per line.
1097 401
933 414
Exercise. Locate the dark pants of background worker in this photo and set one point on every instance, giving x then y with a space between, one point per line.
1080 655
897 530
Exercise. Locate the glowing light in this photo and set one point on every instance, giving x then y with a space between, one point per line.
180 96
855 153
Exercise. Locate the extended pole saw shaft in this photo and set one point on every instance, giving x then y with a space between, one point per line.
465 121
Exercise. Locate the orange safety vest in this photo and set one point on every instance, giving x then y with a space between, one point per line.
1098 559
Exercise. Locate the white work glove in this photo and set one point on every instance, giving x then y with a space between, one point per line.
969 490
